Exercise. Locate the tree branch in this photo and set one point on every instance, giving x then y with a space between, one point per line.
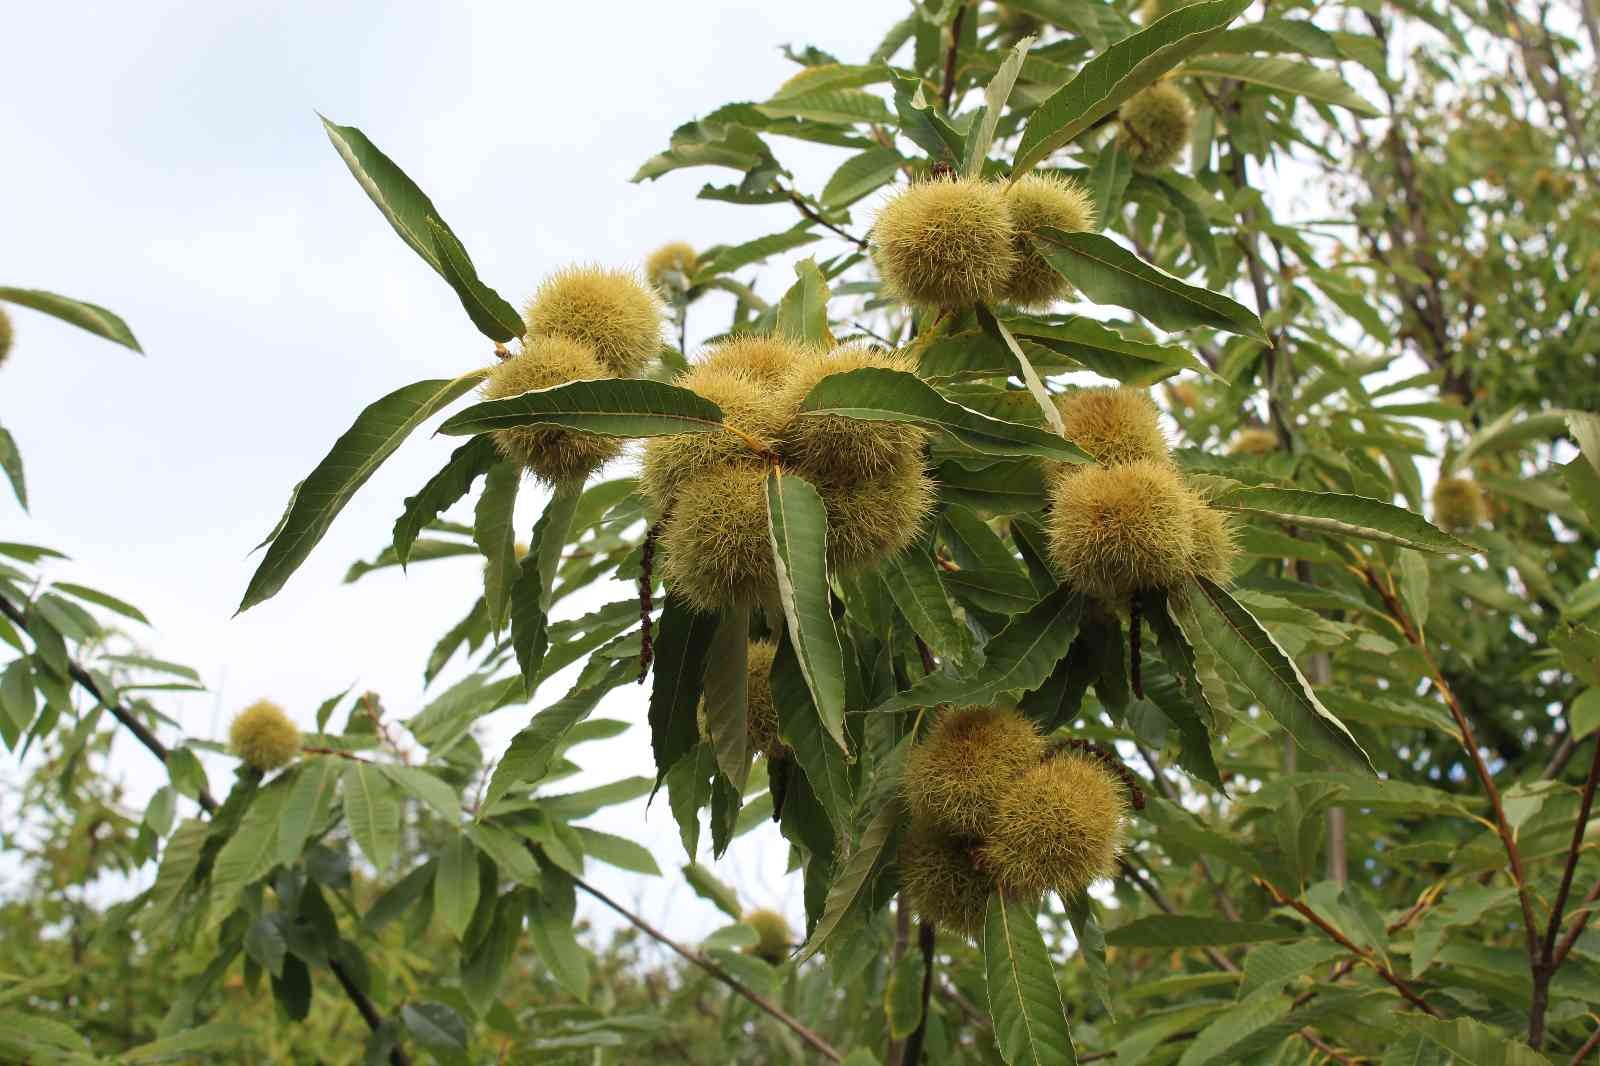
1349 945
947 92
911 1055
817 1044
369 1013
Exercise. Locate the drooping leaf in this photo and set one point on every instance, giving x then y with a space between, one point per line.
1030 376
914 585
1118 72
456 884
797 522
1205 612
11 463
860 175
1110 274
92 317
529 756
492 532
852 879
876 394
1018 659
726 686
1030 1018
377 432
420 225
307 807
610 407
530 592
994 102
683 638
466 464
800 726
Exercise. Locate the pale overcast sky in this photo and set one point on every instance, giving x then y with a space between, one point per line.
165 160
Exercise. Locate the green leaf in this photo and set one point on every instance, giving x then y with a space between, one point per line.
922 123
1105 351
1091 947
1584 713
683 637
1030 376
11 462
420 225
1110 274
436 1027
609 407
902 999
423 786
530 593
1030 1018
250 852
1114 75
209 1037
707 886
1585 429
1583 485
875 394
803 312
1194 931
1108 182
455 884
1208 614
306 810
101 599
851 880
914 585
1580 650
1232 1025
373 813
92 317
494 317
837 106
860 175
1287 76
492 533
797 522
1275 965
726 685
550 928
994 102
527 759
317 500
727 260
617 851
801 728
1475 1044
466 464
508 852
1338 513
1018 659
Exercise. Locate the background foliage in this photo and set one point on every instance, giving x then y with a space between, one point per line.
1377 250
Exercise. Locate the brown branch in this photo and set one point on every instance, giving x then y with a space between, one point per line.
1559 907
1588 1046
1364 954
947 92
1469 742
369 1013
817 1044
805 209
911 1055
1579 922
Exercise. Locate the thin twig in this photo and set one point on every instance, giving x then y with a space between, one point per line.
817 1044
911 1055
1400 985
1579 922
1559 907
369 1013
1588 1046
947 92
805 209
